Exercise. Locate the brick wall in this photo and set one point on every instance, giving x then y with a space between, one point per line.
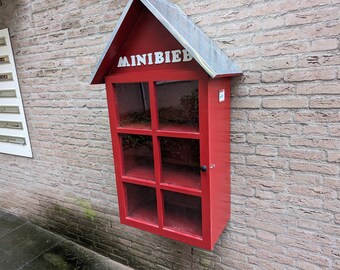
285 133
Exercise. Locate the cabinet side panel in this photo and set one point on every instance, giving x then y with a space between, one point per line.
117 155
219 147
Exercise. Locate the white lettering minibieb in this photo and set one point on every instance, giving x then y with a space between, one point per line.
156 58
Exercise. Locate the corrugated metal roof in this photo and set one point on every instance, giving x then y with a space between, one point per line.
205 51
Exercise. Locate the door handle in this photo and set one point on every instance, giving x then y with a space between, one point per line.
203 168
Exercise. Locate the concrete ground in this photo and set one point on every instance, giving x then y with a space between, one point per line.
25 246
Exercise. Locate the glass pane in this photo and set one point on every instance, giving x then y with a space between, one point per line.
141 203
133 103
180 162
138 156
178 105
182 213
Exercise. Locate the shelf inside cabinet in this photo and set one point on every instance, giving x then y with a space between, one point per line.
180 162
182 213
139 181
182 176
141 203
178 134
180 189
179 128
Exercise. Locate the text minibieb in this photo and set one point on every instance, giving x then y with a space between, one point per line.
156 58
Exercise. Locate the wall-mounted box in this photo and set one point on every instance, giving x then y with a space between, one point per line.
168 91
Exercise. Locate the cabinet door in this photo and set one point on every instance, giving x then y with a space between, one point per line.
178 116
179 142
158 145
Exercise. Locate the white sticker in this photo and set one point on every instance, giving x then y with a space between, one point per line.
221 95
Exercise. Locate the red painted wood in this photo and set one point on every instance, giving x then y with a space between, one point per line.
134 131
116 150
147 29
204 159
158 75
156 149
178 134
219 153
206 195
126 27
181 189
138 181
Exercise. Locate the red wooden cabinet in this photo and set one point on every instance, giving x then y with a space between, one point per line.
170 129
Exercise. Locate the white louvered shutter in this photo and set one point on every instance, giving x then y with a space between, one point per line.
14 138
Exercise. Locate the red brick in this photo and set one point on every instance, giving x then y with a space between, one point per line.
324 44
283 103
266 139
325 102
264 150
273 22
332 182
272 63
314 167
267 225
317 3
276 128
270 116
286 34
243 103
327 29
263 173
271 76
315 129
318 88
311 191
302 154
244 126
323 143
244 149
310 74
333 156
298 177
306 265
238 115
312 214
266 185
317 116
282 6
337 221
277 258
309 17
238 138
285 48
266 162
299 200
272 90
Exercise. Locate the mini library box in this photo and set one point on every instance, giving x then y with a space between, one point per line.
168 93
